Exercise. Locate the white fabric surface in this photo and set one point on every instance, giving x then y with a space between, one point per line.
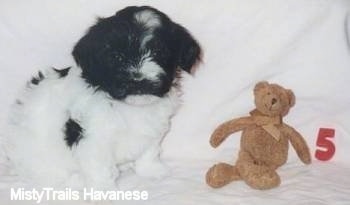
300 44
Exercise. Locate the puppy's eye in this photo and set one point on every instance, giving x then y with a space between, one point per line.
160 53
156 52
119 57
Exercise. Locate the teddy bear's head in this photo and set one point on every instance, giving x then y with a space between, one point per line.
272 99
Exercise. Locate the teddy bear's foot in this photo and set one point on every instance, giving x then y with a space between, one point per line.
221 174
263 180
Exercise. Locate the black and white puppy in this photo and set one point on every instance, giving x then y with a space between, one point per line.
111 109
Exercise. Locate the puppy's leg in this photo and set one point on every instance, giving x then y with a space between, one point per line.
97 165
149 164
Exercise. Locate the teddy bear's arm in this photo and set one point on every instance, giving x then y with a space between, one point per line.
229 127
298 143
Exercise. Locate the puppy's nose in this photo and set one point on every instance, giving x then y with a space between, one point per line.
273 101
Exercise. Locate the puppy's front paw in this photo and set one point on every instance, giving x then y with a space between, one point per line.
153 170
103 180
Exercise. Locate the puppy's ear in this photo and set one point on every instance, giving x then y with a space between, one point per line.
189 51
89 52
81 53
90 56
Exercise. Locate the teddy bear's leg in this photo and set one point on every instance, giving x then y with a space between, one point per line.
221 174
256 175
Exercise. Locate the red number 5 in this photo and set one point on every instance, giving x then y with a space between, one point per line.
324 142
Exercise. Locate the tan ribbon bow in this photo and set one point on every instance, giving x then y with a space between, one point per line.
268 123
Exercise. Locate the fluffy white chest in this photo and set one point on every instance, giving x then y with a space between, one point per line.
128 129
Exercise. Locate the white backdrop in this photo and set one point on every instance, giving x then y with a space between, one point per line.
300 44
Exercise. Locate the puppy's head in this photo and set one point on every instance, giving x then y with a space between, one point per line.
135 52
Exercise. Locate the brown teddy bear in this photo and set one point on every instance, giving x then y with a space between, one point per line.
264 141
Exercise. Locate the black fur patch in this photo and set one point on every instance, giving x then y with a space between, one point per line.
63 72
73 132
37 79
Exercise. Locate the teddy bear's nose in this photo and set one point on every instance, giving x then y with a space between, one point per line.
273 101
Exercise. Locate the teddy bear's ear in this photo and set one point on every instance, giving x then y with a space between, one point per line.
260 85
291 97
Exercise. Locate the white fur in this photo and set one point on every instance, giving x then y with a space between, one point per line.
116 133
147 69
150 70
141 99
150 21
148 18
148 36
